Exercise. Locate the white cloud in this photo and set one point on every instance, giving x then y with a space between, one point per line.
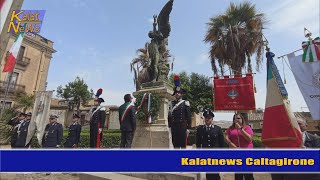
57 54
150 20
84 74
291 16
260 98
113 97
180 64
223 116
202 59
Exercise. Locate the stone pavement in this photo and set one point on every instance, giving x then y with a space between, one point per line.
105 176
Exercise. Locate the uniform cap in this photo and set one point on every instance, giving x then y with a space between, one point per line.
208 113
53 116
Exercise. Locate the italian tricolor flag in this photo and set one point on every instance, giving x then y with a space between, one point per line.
280 128
311 50
11 61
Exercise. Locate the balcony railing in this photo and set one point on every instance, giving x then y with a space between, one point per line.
24 61
12 87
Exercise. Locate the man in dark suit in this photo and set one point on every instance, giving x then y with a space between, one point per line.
179 117
127 119
97 121
15 123
209 136
23 132
309 141
52 137
73 138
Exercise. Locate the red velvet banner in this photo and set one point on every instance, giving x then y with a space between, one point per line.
234 93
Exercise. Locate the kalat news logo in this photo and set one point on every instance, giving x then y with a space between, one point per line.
28 21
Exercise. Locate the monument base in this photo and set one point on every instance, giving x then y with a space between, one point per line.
156 135
148 136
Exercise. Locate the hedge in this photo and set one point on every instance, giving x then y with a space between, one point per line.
110 140
192 139
87 131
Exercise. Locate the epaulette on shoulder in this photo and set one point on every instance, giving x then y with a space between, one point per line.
200 126
187 103
102 109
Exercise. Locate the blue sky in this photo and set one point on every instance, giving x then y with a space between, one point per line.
97 39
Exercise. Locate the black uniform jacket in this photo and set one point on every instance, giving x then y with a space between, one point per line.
98 117
22 133
312 141
14 122
73 135
209 137
180 114
53 135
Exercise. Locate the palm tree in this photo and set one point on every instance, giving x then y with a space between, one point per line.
142 61
234 37
24 101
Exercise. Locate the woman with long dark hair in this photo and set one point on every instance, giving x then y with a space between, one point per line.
239 135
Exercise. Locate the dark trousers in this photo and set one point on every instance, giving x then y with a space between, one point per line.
246 176
279 177
295 176
179 136
95 137
126 139
210 176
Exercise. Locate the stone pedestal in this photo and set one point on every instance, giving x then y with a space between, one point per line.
155 135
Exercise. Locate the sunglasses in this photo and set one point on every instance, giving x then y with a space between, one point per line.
238 118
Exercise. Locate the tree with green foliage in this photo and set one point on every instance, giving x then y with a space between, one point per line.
199 90
5 129
75 93
234 37
24 101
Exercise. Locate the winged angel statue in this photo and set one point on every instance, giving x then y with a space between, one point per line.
152 64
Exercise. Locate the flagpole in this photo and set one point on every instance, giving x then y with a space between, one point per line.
11 73
6 92
5 57
289 53
307 34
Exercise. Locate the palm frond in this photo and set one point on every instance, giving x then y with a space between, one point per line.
236 35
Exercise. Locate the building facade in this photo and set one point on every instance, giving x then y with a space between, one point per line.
255 120
31 69
4 35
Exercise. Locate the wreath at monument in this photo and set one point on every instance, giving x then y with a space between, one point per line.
148 107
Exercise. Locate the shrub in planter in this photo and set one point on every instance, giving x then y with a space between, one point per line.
257 143
110 140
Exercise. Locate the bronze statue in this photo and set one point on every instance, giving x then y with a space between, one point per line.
154 58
